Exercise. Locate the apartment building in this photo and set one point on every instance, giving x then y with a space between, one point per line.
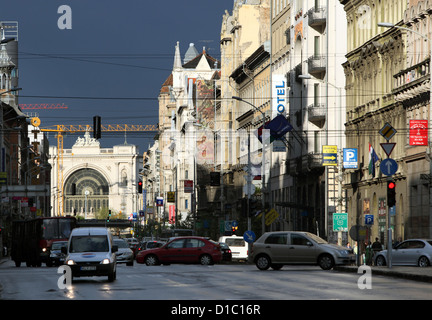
308 48
376 59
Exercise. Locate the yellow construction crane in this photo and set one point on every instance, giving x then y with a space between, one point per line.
64 129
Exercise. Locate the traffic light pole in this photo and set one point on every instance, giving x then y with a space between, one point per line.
391 187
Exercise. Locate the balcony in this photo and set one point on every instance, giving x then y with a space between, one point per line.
317 65
317 17
305 163
317 114
412 85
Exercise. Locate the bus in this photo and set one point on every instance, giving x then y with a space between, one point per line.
32 239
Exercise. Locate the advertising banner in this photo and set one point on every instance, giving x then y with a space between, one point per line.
418 132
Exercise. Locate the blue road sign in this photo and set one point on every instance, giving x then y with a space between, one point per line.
388 167
249 236
369 219
350 158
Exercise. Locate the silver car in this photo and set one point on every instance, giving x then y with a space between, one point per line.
275 249
414 252
124 253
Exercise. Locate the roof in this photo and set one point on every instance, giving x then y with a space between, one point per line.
89 231
192 64
168 83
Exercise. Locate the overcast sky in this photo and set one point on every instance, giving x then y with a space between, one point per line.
114 50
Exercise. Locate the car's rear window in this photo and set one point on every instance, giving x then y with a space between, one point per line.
235 242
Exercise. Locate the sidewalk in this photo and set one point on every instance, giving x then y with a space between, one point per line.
410 273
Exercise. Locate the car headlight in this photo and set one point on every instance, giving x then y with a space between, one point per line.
70 262
344 252
105 261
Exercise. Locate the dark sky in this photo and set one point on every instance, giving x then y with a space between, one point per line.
112 62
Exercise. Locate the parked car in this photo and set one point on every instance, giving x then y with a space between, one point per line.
124 253
57 257
144 245
238 246
413 252
226 252
275 249
133 244
188 249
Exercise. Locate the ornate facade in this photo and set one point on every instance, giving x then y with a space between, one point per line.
96 179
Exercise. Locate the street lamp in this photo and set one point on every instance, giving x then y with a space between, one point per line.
263 162
391 25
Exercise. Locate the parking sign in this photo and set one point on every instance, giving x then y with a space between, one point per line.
350 158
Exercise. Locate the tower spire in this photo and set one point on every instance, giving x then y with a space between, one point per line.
177 59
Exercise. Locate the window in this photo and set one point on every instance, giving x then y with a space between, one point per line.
89 244
194 243
277 238
299 240
176 244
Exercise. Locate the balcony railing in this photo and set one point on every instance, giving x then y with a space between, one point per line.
305 163
317 16
316 64
317 113
413 82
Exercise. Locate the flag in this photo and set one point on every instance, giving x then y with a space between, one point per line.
372 159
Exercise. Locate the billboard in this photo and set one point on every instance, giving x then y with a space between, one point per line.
418 132
279 99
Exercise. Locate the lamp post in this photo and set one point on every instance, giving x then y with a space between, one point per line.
263 164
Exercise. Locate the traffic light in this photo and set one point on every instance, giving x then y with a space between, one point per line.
234 229
391 193
109 216
140 187
97 127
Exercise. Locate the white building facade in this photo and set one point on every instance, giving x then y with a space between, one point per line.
95 180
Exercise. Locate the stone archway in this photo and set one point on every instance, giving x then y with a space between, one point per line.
79 183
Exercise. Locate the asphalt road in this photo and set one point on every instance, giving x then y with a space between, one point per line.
218 282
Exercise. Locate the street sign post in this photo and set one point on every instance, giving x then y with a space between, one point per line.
350 158
249 236
388 167
369 219
387 131
329 155
388 147
340 221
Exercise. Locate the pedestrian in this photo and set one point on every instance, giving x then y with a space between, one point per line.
355 249
368 253
376 246
399 240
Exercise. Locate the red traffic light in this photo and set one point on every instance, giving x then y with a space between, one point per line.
391 185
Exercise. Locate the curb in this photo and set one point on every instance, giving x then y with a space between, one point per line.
390 273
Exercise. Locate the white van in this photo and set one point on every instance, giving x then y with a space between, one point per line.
90 252
238 246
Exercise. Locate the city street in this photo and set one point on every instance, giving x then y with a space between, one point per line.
196 282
